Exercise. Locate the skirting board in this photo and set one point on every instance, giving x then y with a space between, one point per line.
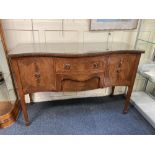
145 105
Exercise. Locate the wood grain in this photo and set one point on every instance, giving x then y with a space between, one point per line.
37 74
72 50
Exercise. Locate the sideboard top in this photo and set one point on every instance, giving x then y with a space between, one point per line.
70 49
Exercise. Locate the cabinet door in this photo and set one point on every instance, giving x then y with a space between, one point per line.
37 74
120 67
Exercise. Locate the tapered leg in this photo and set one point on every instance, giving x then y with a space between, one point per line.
31 99
112 91
127 101
20 93
24 109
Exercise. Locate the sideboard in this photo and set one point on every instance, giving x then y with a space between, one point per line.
61 67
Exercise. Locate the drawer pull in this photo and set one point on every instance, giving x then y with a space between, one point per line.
118 70
37 75
67 66
120 63
95 65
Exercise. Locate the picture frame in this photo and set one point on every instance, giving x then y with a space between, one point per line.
113 24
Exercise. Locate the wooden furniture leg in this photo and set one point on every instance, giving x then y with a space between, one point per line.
20 92
112 91
128 95
24 109
127 101
31 99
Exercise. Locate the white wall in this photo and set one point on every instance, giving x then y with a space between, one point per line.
20 31
9 90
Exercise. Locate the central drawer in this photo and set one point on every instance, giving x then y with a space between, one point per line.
74 65
73 85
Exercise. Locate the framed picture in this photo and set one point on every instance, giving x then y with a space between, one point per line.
113 24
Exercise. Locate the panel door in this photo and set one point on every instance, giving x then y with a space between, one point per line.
37 74
120 68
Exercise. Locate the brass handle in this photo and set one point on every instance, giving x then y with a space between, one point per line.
120 63
67 66
118 70
95 65
119 66
37 75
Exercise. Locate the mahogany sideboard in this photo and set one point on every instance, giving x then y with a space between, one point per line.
72 67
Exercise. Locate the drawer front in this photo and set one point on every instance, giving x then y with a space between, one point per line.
72 85
79 82
37 74
74 65
120 68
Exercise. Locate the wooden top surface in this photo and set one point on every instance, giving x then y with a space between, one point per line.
70 49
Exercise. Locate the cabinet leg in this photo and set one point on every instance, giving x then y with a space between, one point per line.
112 91
127 101
31 99
24 110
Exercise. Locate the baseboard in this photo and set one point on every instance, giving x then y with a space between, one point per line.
11 117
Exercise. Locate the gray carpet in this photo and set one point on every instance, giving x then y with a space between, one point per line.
87 116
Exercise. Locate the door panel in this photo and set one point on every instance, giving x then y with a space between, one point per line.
120 68
37 74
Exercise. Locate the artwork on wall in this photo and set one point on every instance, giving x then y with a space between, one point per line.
113 24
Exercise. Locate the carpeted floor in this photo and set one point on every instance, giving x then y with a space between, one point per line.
87 116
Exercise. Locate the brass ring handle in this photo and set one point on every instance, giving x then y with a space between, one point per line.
95 65
37 75
67 66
